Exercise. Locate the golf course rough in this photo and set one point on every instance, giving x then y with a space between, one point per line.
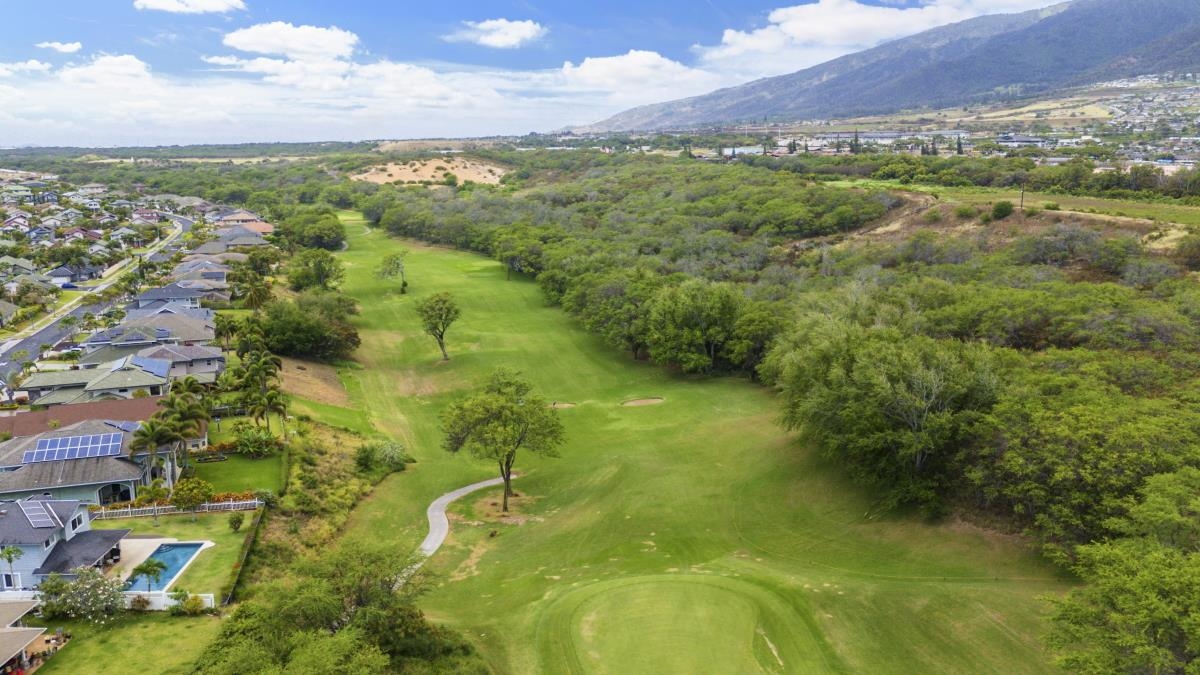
692 536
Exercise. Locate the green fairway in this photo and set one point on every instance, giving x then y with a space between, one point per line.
689 536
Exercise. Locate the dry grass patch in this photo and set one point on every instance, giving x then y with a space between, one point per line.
314 381
433 171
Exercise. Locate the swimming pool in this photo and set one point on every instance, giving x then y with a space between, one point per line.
175 557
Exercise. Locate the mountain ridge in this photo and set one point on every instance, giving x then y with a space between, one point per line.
988 58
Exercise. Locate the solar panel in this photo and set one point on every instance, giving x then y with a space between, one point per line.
74 447
37 515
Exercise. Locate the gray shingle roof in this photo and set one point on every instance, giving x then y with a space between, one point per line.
83 550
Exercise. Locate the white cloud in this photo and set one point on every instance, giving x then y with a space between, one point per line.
297 42
190 6
30 66
498 33
638 75
61 47
800 36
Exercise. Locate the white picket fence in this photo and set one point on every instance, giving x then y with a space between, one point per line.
161 602
143 511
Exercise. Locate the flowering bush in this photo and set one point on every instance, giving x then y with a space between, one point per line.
90 596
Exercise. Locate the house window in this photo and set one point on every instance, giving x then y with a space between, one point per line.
77 522
11 581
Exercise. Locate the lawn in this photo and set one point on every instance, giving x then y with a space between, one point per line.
150 644
211 568
239 473
689 536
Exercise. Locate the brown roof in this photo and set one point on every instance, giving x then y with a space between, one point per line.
38 421
258 226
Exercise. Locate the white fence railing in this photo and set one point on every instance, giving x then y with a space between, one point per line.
160 601
143 511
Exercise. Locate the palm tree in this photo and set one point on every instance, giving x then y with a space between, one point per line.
11 554
152 435
275 401
188 385
259 369
258 294
225 327
151 569
154 493
185 411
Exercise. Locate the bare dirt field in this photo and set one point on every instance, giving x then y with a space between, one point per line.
434 171
314 381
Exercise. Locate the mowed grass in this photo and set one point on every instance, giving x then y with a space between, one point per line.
153 643
239 473
689 536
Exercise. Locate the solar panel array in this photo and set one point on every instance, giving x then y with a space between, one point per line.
73 447
37 514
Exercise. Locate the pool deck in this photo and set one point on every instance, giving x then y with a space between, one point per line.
135 550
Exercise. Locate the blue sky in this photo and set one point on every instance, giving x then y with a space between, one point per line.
115 72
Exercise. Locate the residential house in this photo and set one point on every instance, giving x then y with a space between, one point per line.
203 363
90 461
201 269
79 234
55 537
10 266
237 217
258 227
221 258
33 422
200 313
37 280
71 215
16 638
17 221
126 236
92 189
47 197
211 248
129 377
91 205
74 274
54 222
173 293
18 192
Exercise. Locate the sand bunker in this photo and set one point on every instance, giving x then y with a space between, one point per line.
637 402
558 405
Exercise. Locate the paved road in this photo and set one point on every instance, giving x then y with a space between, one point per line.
439 526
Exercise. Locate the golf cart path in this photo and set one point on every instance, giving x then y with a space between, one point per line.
439 526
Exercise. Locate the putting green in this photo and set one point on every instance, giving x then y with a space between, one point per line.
680 624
